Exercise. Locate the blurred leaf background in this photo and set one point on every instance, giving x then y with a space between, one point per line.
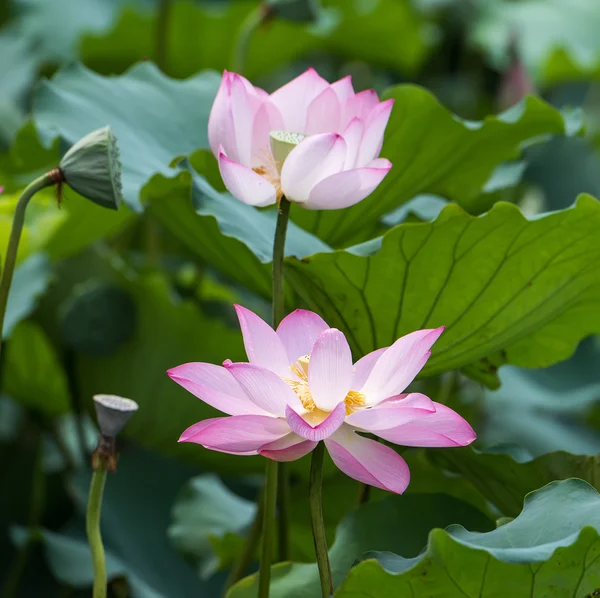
487 224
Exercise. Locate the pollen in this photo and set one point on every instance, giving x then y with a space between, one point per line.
300 387
353 401
269 169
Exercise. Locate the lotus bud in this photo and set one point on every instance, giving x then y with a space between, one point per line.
92 168
296 11
282 143
516 82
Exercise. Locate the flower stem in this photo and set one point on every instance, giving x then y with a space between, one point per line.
163 19
270 502
93 530
283 495
249 26
47 180
316 514
270 498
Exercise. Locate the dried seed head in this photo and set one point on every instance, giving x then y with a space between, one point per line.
113 412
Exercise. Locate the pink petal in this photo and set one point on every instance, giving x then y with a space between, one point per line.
323 113
265 388
238 433
375 125
294 97
198 427
343 89
392 413
442 428
399 365
352 135
266 119
368 461
344 189
215 386
221 130
321 431
330 369
312 160
298 332
364 102
244 105
363 367
245 184
263 346
288 448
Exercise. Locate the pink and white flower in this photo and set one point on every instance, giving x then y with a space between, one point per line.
300 387
326 139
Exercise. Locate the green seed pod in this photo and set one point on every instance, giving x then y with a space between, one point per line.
282 143
92 168
296 11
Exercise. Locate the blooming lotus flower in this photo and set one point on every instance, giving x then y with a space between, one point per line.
301 387
314 142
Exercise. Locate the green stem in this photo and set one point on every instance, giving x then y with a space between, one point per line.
283 504
36 511
270 502
249 26
245 558
316 515
364 493
283 496
93 531
46 180
273 468
163 19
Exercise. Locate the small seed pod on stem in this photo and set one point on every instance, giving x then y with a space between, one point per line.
112 412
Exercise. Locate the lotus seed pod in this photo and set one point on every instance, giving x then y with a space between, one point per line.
113 412
92 168
282 143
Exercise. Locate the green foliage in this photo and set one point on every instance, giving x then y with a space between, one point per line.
551 549
32 373
507 289
456 235
397 523
433 151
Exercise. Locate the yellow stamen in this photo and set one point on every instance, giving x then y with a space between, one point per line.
353 401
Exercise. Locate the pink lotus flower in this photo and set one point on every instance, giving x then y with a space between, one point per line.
300 387
317 144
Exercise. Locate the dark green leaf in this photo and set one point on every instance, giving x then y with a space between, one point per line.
397 523
551 549
513 290
433 151
33 374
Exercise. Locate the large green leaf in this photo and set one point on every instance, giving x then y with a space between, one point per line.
33 374
397 523
433 151
156 119
507 289
551 549
505 477
388 33
557 39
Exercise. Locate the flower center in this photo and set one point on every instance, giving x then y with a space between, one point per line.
353 401
282 143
